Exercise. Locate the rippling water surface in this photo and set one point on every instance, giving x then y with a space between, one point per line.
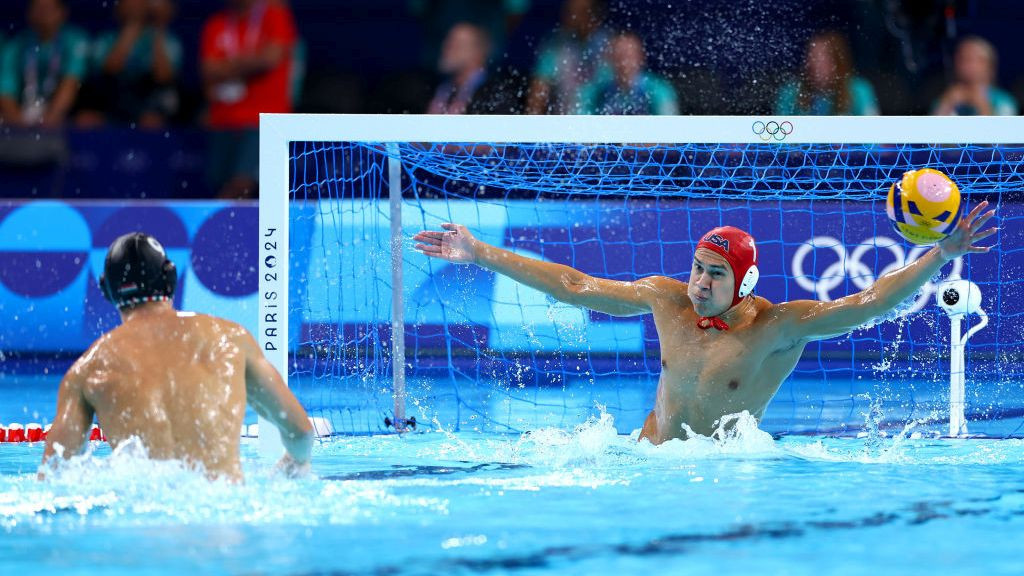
549 501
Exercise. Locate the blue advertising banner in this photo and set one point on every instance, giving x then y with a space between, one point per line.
51 254
819 250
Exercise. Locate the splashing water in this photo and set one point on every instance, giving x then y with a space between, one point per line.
586 500
596 444
127 487
368 478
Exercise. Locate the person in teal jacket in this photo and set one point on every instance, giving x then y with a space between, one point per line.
631 89
828 84
572 57
41 68
135 68
973 91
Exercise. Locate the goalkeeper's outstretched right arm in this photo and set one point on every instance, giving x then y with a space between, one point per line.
456 244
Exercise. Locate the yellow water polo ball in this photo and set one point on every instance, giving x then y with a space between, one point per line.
923 206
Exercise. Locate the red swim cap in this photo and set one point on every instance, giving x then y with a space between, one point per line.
738 248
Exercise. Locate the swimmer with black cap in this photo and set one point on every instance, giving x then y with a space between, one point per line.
724 350
179 382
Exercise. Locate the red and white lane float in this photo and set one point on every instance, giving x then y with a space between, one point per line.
35 432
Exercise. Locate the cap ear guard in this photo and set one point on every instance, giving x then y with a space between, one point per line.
749 281
105 288
170 278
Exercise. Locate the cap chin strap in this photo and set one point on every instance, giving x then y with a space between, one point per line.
716 322
705 322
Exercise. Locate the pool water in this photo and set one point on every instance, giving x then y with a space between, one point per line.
586 501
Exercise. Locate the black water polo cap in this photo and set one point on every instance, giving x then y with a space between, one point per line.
137 270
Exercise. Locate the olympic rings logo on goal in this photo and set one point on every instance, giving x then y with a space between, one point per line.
772 130
852 265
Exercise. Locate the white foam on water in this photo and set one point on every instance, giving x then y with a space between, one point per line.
128 488
596 444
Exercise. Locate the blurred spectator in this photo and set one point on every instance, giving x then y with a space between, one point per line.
468 87
42 68
499 18
245 62
572 57
973 91
631 89
136 68
828 84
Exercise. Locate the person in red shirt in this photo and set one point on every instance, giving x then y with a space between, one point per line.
245 62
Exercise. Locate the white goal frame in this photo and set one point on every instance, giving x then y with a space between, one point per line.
277 131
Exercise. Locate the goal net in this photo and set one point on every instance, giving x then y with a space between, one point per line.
367 329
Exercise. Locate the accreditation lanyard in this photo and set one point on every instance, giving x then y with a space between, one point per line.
33 91
235 42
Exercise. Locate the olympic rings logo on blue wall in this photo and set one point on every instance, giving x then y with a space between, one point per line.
858 264
772 130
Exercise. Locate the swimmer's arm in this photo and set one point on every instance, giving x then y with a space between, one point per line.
74 418
569 285
267 393
561 282
805 320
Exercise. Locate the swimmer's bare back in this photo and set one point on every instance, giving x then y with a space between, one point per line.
179 382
